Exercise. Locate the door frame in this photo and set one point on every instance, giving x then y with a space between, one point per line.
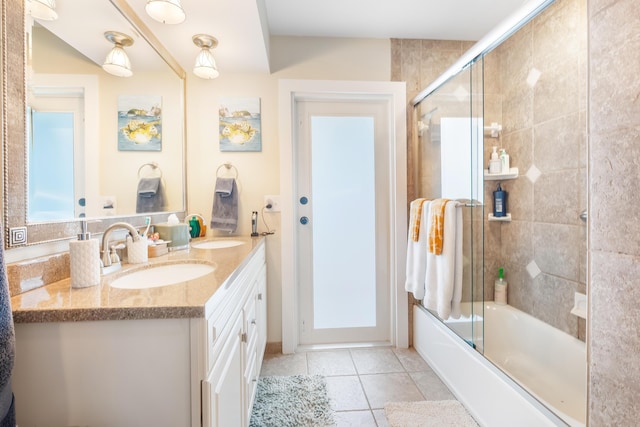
289 92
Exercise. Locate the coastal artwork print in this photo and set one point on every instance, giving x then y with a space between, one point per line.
239 124
140 123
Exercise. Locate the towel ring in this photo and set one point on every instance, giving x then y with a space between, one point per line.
153 165
228 166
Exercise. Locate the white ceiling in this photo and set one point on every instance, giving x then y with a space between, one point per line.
243 27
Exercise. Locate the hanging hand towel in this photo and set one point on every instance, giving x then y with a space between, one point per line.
150 195
224 215
417 250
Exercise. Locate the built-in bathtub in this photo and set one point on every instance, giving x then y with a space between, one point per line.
531 374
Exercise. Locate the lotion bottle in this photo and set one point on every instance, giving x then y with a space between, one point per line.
495 166
84 259
504 161
500 288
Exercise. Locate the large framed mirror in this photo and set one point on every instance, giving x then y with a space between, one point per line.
80 143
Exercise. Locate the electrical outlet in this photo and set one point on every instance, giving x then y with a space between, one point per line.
272 203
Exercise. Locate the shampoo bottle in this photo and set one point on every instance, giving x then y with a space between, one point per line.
495 166
500 288
499 202
84 259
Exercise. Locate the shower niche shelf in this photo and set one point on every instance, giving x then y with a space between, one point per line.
512 174
506 218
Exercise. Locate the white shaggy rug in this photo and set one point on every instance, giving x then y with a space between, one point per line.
435 413
294 401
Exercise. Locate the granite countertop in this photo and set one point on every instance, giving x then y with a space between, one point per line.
58 302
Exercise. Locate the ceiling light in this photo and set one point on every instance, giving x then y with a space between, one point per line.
117 61
42 9
166 11
205 67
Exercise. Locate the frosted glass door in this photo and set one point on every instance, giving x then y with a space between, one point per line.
343 199
344 292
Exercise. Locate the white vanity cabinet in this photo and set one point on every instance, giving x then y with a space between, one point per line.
236 342
171 372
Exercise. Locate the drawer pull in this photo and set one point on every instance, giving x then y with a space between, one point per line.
243 337
213 334
253 322
260 296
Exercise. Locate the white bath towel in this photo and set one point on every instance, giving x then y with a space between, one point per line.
417 256
443 278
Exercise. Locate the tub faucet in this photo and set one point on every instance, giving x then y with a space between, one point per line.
106 257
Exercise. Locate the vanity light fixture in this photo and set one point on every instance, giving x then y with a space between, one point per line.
117 61
42 9
205 67
166 11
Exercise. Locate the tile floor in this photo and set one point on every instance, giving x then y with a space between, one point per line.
361 380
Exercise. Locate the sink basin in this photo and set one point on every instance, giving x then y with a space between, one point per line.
162 275
217 244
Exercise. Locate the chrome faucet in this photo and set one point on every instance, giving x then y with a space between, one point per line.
106 256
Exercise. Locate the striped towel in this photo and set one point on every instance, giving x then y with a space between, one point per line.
436 231
414 218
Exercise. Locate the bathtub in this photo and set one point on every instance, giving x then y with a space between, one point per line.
532 374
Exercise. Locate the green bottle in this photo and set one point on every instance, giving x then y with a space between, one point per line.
194 227
500 288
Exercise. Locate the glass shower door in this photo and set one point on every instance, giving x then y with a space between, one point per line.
450 136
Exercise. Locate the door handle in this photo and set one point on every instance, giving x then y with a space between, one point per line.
304 220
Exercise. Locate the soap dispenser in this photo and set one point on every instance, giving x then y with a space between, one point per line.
495 165
84 256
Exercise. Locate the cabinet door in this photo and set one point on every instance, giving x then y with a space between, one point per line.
222 391
261 313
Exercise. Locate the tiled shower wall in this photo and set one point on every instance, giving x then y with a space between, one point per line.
535 86
614 174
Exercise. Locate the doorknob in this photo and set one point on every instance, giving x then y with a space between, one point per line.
304 220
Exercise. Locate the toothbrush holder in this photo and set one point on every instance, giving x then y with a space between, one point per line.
137 252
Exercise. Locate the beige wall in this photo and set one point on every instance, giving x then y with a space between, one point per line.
259 172
614 173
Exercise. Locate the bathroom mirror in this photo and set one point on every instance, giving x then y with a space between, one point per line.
54 75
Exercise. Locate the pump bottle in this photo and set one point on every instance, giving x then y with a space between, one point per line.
500 288
84 260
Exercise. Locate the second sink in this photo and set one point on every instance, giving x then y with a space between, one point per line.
162 275
217 244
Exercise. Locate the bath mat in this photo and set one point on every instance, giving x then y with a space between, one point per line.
432 413
293 401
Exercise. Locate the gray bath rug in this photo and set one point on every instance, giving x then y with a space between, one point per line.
433 413
294 401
